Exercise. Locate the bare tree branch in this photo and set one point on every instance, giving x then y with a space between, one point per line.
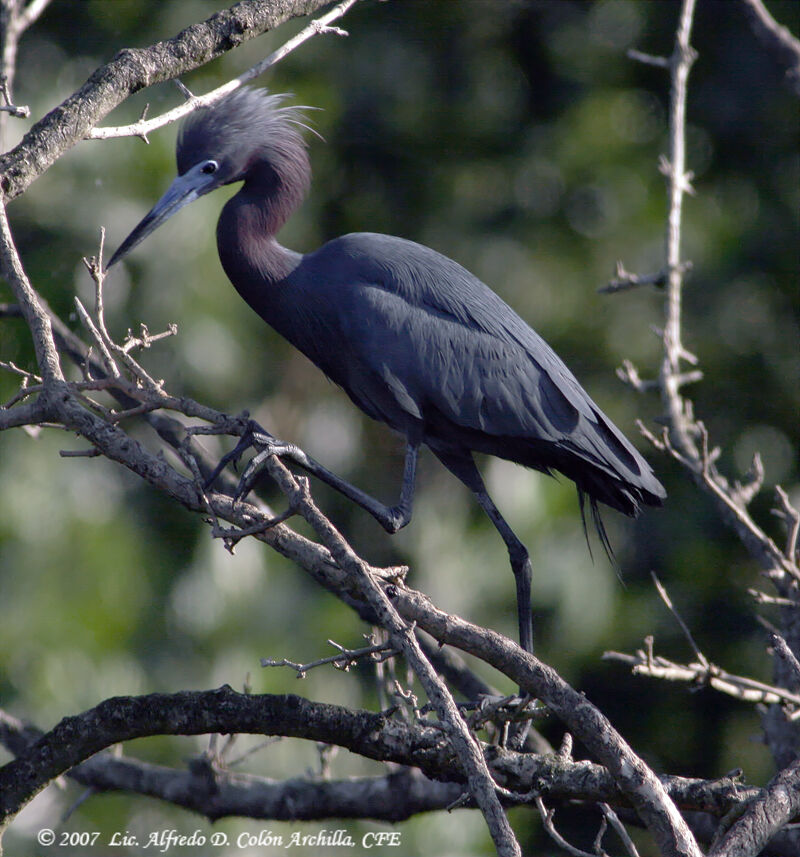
777 39
705 674
15 18
481 785
588 724
764 817
144 126
678 182
445 751
131 70
687 440
30 14
77 749
75 739
35 317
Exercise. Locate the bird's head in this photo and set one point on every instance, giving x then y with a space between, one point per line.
245 132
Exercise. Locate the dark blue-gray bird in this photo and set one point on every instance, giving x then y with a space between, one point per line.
414 339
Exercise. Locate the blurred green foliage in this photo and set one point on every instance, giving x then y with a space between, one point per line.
518 139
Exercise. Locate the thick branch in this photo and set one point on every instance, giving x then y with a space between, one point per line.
587 723
74 747
479 780
25 414
218 794
27 299
75 739
764 817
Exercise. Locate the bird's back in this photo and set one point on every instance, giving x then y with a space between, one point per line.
419 342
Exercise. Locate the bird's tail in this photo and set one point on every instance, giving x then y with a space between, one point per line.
600 529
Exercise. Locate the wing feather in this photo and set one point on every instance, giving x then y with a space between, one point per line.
421 336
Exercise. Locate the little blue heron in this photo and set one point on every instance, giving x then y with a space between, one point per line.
414 339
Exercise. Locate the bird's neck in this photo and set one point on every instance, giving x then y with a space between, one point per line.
249 252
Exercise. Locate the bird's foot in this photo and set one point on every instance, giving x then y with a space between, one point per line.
255 437
233 456
257 462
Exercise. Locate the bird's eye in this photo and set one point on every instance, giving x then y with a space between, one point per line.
209 167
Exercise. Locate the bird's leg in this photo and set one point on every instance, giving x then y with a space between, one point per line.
520 565
391 518
462 466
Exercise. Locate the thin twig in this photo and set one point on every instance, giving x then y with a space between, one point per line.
624 280
79 453
91 328
773 600
648 59
674 168
619 827
146 339
344 660
95 267
629 374
31 13
10 311
791 516
28 300
684 627
777 39
195 102
740 687
549 826
782 648
18 111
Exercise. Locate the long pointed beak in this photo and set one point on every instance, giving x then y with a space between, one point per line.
183 190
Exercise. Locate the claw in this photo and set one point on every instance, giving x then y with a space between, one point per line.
254 435
233 456
250 473
265 444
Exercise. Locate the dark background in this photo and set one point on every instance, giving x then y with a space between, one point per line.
518 139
